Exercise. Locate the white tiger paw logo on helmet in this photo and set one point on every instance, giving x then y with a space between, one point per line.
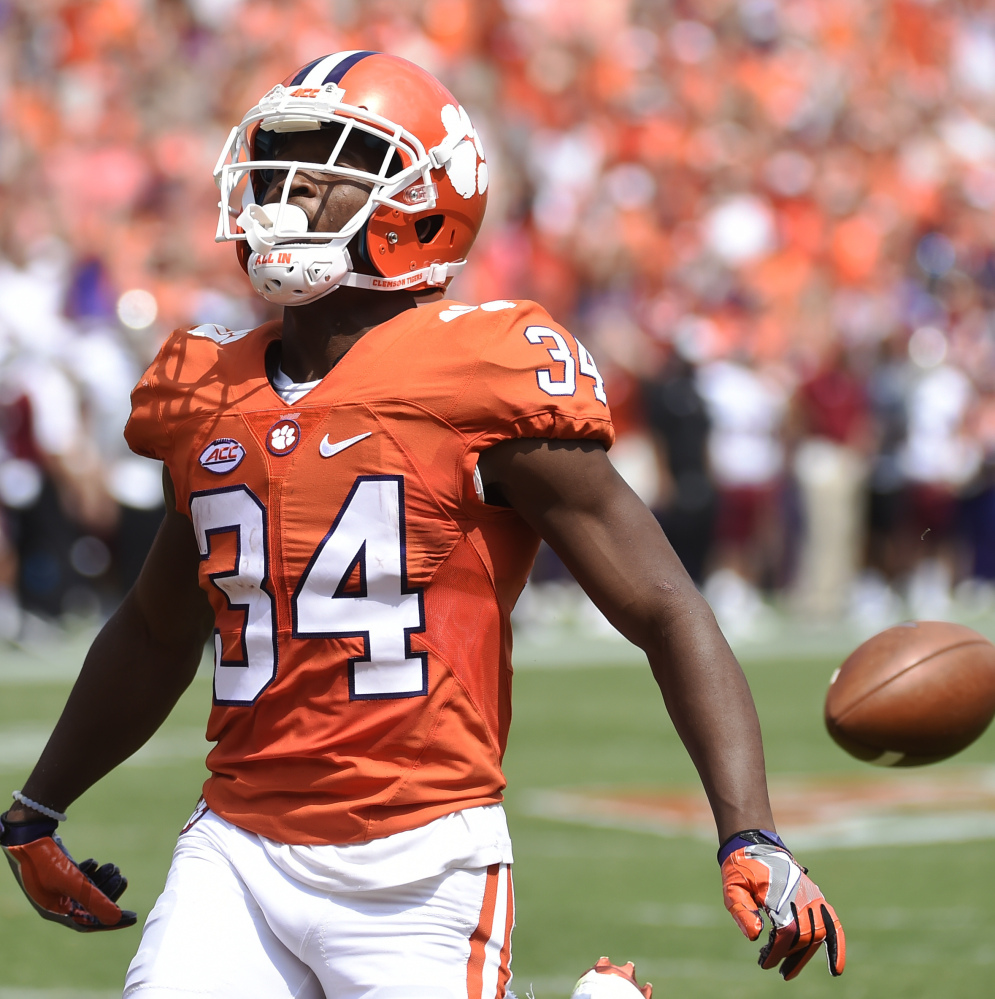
463 170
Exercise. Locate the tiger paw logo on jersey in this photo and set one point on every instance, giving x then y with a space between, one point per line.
283 437
222 455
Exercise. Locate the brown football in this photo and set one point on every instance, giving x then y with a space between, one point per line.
913 694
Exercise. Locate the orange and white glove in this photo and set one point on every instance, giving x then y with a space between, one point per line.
760 874
80 896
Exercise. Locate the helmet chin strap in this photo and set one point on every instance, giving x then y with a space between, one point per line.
434 275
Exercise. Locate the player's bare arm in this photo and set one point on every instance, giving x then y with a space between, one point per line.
137 668
569 492
572 496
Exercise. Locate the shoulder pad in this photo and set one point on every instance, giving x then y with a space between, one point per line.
212 331
456 309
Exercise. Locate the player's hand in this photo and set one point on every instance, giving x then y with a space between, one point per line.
80 896
758 873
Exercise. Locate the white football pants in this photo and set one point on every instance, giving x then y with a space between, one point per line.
232 925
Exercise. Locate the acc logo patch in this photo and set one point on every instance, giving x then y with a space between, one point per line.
283 437
223 455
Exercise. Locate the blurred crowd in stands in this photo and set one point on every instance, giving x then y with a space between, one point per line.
772 221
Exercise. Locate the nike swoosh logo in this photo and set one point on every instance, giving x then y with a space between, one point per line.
327 449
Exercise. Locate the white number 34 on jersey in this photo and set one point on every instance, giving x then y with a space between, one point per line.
366 540
564 381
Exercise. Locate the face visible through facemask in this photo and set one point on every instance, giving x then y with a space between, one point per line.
328 201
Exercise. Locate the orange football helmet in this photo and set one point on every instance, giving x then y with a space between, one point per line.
426 200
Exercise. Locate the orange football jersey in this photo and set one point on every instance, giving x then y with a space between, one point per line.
362 591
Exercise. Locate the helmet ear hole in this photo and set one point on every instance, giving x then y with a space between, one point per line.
361 243
428 228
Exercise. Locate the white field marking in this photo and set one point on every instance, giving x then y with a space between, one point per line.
554 650
948 805
962 827
174 746
59 659
38 673
565 644
21 745
54 658
568 646
580 809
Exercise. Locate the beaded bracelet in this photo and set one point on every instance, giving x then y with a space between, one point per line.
50 813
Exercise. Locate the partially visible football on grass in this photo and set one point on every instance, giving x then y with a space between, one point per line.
611 981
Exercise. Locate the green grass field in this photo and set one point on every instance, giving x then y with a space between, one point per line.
918 919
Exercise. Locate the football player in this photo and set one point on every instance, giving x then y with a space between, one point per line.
355 496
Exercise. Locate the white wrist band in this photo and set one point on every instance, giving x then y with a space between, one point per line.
50 813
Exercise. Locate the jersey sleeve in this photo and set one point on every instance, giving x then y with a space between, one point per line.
532 379
147 432
186 378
